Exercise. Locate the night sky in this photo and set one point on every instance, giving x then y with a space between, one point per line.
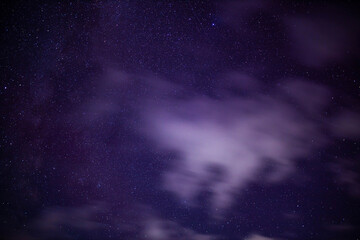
188 120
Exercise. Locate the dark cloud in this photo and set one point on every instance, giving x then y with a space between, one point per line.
322 40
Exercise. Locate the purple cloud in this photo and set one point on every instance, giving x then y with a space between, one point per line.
322 39
238 136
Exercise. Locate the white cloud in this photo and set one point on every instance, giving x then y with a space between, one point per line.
257 237
156 228
238 135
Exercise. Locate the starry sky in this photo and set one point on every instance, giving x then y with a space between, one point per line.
185 120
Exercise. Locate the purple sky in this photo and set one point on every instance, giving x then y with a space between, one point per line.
190 120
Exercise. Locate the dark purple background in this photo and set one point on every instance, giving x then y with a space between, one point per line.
82 82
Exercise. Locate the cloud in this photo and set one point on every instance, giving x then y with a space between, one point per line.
236 13
88 220
61 222
257 237
156 228
225 144
323 39
347 174
152 226
81 218
342 227
346 124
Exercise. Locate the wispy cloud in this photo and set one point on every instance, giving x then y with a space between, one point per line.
225 144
